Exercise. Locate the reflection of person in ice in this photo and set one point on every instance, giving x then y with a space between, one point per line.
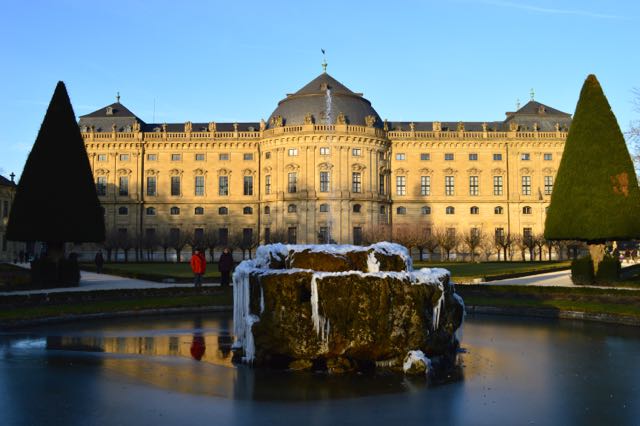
197 345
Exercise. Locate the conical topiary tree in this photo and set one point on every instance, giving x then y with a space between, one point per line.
595 197
56 200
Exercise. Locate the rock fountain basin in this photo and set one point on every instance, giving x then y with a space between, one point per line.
344 308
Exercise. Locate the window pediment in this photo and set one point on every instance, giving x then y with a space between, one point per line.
526 171
325 166
401 171
152 172
124 172
358 167
474 171
199 172
292 167
498 171
425 171
549 170
102 172
450 171
248 172
175 172
224 172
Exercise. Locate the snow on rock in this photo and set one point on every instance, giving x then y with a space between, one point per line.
416 362
372 263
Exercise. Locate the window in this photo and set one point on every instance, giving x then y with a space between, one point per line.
499 234
381 155
474 210
247 156
451 232
198 211
223 211
357 235
449 185
401 185
176 157
497 185
527 233
174 211
293 152
525 156
292 235
425 156
267 184
498 210
324 181
198 236
247 210
357 208
152 186
401 210
292 182
123 211
473 157
223 236
497 157
150 211
401 156
324 208
267 210
448 157
450 210
425 185
223 185
526 210
381 184
292 208
247 236
548 156
473 185
356 182
102 157
356 152
323 235
325 150
101 186
175 185
248 185
475 232
548 185
123 188
383 210
267 235
425 210
267 155
199 157
124 157
199 185
223 157
526 185
5 208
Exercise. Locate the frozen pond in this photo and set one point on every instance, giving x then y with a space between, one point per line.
144 370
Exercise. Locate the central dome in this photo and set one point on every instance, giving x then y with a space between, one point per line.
323 101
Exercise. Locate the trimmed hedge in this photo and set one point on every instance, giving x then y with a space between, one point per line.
582 271
608 270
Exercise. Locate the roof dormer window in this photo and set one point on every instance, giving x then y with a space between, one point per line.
109 110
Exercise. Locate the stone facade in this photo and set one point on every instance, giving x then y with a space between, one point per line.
9 250
342 172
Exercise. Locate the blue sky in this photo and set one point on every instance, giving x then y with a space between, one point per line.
233 61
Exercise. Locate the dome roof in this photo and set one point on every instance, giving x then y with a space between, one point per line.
314 99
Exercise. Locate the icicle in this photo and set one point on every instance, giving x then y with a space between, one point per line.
315 315
249 346
459 331
437 309
261 299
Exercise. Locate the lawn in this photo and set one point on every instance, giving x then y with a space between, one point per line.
180 272
465 271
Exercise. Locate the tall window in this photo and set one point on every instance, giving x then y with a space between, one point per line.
248 185
198 235
267 235
123 188
449 185
401 185
499 234
548 185
247 236
324 181
223 185
101 186
292 182
323 235
527 233
381 184
267 184
292 235
175 185
152 186
199 185
526 185
357 235
473 185
356 182
267 210
497 185
425 185
223 236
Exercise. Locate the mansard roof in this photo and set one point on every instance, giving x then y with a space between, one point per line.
114 110
6 182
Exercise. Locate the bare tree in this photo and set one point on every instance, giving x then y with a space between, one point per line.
164 241
529 243
539 242
472 239
488 246
519 244
111 243
235 242
550 244
405 235
149 243
376 233
448 240
504 243
178 240
277 235
212 241
249 241
426 240
125 242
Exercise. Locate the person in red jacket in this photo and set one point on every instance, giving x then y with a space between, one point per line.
198 266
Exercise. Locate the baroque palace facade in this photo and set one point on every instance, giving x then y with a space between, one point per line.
324 166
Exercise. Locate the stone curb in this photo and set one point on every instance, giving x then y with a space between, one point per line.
554 313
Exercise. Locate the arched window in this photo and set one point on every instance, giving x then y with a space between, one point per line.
199 210
123 211
474 210
498 210
425 210
223 210
401 210
356 208
450 210
526 210
324 208
175 210
247 210
267 210
151 211
292 208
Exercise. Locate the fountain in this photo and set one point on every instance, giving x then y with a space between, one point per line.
344 308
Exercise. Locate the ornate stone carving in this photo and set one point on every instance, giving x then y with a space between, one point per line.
484 127
224 172
412 126
358 167
498 171
292 167
152 172
267 170
549 170
123 172
450 171
308 118
513 126
188 127
175 172
425 171
460 126
526 171
212 126
199 172
263 125
436 126
276 121
401 171
385 126
136 126
341 119
235 127
248 172
474 171
370 120
325 166
102 172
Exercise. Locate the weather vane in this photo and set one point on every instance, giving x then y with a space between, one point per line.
532 93
118 97
324 61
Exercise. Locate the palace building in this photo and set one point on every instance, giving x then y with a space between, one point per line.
324 167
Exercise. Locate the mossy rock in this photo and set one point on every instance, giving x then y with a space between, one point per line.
319 261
